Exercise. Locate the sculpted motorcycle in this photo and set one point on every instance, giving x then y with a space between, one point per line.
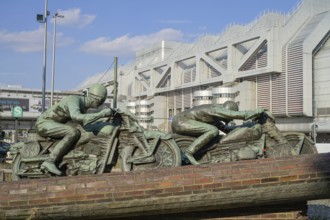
259 138
100 148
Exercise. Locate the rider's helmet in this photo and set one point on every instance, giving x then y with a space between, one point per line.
230 105
98 93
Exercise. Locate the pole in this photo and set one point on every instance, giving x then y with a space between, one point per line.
115 89
45 58
53 63
16 131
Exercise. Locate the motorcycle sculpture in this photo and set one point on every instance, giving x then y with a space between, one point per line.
98 151
259 138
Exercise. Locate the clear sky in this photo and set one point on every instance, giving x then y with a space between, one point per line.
93 32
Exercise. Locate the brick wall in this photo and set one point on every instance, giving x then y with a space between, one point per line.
256 189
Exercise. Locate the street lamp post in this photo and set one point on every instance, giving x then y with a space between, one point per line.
53 64
43 19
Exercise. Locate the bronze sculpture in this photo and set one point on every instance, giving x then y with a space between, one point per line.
104 142
204 122
52 122
257 138
117 141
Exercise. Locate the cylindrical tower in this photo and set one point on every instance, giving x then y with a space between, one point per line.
222 94
202 97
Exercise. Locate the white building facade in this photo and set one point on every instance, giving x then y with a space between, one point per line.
279 61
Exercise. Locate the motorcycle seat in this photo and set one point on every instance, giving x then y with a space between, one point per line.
243 134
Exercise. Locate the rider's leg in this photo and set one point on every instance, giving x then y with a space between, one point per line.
209 132
205 133
69 135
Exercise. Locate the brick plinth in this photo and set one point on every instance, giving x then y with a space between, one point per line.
217 188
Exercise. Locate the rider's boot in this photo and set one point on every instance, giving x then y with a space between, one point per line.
51 167
61 148
49 163
191 157
199 143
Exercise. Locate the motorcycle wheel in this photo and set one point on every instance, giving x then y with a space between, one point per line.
184 142
308 146
166 155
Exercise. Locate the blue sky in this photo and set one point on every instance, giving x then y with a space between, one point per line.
92 33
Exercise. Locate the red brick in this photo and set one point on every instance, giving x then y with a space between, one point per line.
204 180
75 185
232 184
98 184
6 197
18 203
18 191
260 175
183 193
268 180
222 167
66 193
117 195
282 173
307 176
38 201
144 186
95 196
56 188
212 185
173 189
28 185
43 195
38 190
185 182
84 191
154 191
174 177
4 203
165 185
288 178
200 191
249 170
191 176
135 193
105 190
169 182
251 182
6 187
123 188
222 178
193 187
298 172
67 199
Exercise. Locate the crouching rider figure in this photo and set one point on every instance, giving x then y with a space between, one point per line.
52 122
205 121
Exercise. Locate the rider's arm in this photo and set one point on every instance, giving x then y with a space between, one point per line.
228 114
75 109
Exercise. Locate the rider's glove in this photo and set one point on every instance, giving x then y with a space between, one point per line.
116 111
106 112
252 114
260 110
